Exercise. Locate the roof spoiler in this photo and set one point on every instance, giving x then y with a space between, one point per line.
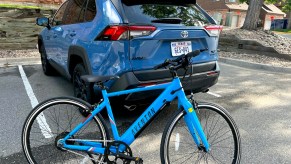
167 2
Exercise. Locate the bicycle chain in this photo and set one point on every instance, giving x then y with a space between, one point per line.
100 162
107 152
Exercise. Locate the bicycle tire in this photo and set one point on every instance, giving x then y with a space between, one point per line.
52 120
224 138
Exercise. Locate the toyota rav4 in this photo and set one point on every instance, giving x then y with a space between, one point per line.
128 38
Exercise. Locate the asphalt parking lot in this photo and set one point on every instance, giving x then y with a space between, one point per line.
258 100
287 35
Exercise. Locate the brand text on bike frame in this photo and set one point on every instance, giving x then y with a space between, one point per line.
171 91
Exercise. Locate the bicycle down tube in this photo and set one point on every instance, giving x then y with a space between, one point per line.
171 91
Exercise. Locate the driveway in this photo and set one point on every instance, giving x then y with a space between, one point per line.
259 101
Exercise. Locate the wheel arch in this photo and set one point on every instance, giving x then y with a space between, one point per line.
77 54
39 42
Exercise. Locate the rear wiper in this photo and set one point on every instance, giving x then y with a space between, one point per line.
168 20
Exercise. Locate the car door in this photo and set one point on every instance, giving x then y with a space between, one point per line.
54 33
77 18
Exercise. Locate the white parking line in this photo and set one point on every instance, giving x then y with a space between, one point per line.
44 127
213 94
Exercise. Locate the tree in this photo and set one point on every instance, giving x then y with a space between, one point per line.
253 14
287 9
289 21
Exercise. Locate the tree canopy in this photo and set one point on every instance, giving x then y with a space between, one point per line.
287 5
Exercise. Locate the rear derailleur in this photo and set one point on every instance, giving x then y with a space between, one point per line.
118 152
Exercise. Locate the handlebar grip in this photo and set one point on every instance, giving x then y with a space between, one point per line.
193 53
178 58
166 63
158 66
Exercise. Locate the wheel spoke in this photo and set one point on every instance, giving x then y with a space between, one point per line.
62 118
221 133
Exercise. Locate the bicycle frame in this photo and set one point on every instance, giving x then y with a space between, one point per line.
171 91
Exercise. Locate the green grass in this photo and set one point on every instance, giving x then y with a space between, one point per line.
21 7
282 30
18 6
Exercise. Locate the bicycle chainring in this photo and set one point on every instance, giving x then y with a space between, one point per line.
118 152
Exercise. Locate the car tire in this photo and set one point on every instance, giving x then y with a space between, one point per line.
46 66
82 90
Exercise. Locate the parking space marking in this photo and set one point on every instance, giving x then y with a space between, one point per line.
44 127
213 94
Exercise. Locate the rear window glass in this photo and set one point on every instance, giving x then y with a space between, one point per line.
188 15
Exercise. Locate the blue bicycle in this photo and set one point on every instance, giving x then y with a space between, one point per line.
69 130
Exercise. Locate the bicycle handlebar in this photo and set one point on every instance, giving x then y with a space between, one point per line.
181 61
189 55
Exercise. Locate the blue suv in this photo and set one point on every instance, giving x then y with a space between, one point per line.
128 38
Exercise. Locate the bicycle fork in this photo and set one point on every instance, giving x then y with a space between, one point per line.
196 130
193 122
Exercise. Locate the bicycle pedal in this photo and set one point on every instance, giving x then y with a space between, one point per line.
138 160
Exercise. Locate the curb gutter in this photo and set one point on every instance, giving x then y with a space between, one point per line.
252 65
7 62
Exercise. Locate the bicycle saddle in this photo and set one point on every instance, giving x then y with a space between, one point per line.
97 79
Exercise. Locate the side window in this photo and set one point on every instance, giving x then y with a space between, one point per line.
90 11
57 20
74 12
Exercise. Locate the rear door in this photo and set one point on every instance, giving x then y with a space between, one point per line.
179 30
77 18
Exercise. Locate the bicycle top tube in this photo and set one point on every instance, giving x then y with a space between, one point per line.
139 89
171 91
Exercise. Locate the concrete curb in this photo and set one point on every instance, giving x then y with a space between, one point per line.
7 62
252 65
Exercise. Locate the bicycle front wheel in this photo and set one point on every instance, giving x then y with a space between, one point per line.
54 119
178 146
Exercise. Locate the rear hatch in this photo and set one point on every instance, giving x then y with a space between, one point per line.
158 30
168 30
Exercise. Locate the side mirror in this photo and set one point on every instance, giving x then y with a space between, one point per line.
43 21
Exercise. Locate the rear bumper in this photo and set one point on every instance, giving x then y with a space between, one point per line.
202 77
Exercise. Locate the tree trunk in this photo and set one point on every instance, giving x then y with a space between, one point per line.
289 21
253 15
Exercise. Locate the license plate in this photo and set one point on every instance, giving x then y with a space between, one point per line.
180 48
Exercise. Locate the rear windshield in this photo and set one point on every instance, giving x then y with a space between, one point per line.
188 14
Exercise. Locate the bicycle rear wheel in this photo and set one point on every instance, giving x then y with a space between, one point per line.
54 119
177 145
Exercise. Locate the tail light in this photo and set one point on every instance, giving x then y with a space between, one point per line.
212 73
125 32
214 30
